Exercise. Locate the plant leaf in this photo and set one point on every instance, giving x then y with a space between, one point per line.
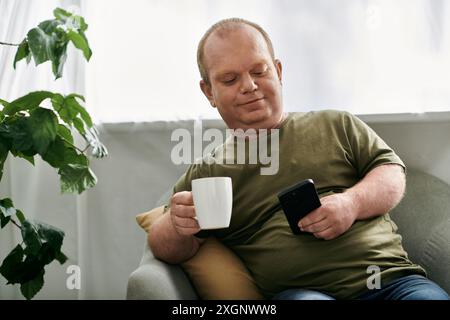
71 21
11 264
30 288
60 154
43 245
68 111
42 125
79 125
31 238
30 159
22 52
58 103
48 41
17 271
18 132
54 155
51 235
61 257
76 95
27 102
41 45
98 148
29 269
61 14
7 207
5 145
76 178
4 220
83 25
80 42
85 116
6 211
51 27
20 216
65 133
58 60
4 104
71 156
51 239
77 108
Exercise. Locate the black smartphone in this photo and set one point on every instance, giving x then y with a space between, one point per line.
297 201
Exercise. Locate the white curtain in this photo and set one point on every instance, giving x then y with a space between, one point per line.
36 190
101 235
16 18
364 56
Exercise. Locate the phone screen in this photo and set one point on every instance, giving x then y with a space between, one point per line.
297 201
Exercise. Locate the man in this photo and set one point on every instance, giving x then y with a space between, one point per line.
358 177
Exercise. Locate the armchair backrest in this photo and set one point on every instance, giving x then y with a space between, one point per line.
423 220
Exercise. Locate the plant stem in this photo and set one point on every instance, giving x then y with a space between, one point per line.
73 145
9 44
16 224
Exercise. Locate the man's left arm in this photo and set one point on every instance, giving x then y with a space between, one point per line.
377 193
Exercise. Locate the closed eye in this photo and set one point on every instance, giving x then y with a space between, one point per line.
228 81
260 73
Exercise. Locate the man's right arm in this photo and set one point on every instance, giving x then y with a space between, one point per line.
171 237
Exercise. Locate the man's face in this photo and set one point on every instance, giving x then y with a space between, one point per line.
245 83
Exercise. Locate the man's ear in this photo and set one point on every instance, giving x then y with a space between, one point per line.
279 68
207 91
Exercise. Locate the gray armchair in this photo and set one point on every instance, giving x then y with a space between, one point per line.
423 219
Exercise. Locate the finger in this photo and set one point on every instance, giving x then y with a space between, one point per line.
183 211
185 222
326 234
311 218
318 226
187 231
183 197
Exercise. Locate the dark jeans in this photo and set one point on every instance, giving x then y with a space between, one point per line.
412 287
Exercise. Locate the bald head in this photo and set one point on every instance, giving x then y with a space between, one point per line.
221 29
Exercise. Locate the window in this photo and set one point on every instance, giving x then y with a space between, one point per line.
366 57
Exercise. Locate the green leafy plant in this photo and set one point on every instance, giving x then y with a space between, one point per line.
29 128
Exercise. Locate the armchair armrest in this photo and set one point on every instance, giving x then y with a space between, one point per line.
155 279
436 254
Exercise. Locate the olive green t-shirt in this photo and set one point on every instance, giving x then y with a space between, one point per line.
336 150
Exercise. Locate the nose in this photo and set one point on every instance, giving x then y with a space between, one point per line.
248 84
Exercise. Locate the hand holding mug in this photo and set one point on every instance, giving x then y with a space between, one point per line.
182 213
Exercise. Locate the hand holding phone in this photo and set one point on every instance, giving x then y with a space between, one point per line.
297 201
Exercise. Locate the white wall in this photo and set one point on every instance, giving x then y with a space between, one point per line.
423 144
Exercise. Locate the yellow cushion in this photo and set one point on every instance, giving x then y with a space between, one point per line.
216 272
146 219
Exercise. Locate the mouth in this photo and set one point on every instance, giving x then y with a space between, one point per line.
251 101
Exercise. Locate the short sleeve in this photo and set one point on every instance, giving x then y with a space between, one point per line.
367 149
194 171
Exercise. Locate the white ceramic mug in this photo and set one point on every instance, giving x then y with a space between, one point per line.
213 201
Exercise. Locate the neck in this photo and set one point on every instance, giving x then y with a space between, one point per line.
248 135
280 121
